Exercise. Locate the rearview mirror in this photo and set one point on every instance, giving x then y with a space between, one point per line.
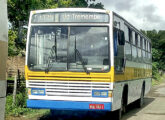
21 31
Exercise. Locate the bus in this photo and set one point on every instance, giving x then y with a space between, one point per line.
3 55
85 59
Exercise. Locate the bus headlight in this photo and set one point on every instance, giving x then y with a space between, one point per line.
37 91
100 93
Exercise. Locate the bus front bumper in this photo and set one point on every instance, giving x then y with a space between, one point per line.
68 105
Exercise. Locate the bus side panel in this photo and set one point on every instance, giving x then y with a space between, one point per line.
148 84
117 93
135 87
134 91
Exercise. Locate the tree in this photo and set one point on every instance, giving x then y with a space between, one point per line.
12 50
19 11
158 50
97 5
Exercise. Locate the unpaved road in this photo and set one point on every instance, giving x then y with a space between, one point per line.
153 109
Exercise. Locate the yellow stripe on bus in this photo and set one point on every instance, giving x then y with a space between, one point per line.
130 73
133 73
66 75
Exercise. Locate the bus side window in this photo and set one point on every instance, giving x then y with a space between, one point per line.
136 39
119 41
134 53
126 31
133 38
130 35
128 51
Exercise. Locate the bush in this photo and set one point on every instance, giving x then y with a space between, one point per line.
20 105
155 70
12 49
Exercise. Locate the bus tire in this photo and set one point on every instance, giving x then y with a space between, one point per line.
118 113
52 112
140 101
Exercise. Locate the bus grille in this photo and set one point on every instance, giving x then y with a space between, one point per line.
68 88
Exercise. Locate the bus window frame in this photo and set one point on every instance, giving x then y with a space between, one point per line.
129 41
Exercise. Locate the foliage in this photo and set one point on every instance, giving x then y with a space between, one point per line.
20 106
19 11
12 49
14 46
96 5
158 51
155 71
157 82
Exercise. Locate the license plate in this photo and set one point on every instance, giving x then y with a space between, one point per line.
96 106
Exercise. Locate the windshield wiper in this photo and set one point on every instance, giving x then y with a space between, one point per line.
48 63
48 66
53 51
80 57
82 61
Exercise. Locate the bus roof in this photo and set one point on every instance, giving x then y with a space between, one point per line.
72 10
86 10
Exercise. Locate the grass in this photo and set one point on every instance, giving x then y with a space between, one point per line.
20 109
37 112
159 81
10 78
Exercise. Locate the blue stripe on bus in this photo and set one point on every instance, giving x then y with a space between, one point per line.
65 105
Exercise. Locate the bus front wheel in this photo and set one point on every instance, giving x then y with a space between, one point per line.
118 113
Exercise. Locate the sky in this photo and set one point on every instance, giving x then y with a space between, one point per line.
143 14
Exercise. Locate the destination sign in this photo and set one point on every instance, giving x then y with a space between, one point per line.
61 17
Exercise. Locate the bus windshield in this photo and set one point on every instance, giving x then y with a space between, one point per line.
69 48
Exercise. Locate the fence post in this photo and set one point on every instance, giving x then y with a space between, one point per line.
19 79
15 90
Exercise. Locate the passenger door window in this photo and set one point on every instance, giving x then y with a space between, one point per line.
119 41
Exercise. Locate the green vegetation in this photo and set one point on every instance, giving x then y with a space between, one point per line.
157 82
158 52
20 106
19 11
10 78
